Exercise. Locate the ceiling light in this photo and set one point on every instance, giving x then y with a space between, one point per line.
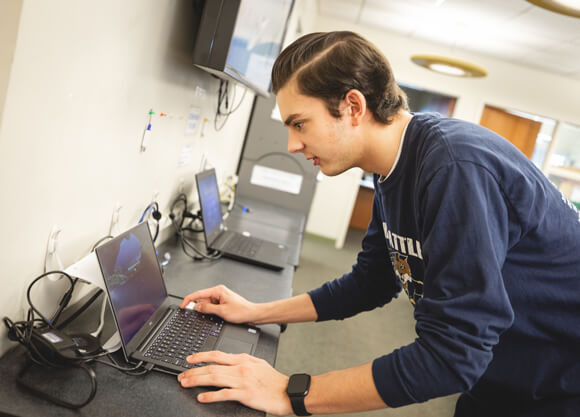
449 66
566 7
447 69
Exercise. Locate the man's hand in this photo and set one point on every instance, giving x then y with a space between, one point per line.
223 302
244 378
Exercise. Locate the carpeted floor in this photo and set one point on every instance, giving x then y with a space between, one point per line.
320 347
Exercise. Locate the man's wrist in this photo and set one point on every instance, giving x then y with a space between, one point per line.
297 390
261 313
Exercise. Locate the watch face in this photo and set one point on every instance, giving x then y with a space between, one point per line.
298 385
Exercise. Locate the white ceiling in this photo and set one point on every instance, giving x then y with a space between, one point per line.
512 30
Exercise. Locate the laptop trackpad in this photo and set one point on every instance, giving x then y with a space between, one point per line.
230 345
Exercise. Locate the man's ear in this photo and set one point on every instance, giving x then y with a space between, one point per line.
356 106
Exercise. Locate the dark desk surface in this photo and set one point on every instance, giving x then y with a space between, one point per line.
155 394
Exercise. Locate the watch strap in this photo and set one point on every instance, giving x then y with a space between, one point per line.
298 388
298 406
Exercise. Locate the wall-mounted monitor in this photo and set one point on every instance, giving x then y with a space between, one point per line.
421 100
240 39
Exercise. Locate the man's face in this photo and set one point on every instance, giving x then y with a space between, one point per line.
313 131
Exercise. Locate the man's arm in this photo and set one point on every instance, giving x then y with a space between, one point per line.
234 308
254 383
297 309
370 284
345 391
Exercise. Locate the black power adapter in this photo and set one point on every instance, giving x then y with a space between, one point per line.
58 347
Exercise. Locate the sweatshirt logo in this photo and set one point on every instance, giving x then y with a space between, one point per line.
402 244
413 287
400 248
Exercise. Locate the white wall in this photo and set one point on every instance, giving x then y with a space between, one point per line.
9 19
332 205
507 85
83 78
302 20
568 141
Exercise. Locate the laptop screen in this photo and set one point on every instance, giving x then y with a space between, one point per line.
209 201
133 278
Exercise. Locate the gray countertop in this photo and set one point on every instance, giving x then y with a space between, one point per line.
154 394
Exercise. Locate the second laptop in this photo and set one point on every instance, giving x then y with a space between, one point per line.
233 244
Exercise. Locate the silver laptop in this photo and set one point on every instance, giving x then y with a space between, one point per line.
232 244
152 327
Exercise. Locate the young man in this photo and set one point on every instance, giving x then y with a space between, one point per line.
485 247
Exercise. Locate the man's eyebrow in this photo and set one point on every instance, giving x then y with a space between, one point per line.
290 118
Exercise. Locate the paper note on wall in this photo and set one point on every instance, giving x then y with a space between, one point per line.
192 122
276 179
185 155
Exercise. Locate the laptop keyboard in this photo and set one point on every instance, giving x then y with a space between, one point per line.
243 245
185 333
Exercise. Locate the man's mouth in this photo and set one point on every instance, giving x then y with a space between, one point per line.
315 160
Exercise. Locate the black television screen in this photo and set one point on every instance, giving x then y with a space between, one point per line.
240 40
421 100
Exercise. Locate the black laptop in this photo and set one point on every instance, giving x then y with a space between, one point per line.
240 246
152 327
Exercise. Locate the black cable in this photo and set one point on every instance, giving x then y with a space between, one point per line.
192 230
237 106
77 313
62 303
75 406
22 332
93 298
218 110
179 231
156 214
181 198
200 255
186 243
223 95
128 371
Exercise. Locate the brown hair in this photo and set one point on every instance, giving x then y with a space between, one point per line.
327 65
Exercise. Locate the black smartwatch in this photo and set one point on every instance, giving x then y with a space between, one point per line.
298 388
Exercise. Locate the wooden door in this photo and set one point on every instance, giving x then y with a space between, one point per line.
520 131
363 209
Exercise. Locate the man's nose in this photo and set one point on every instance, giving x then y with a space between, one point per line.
294 145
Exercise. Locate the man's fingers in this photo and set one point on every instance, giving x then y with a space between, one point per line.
208 293
203 306
225 394
215 356
210 380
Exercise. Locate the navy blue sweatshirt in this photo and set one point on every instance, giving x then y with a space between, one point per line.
488 252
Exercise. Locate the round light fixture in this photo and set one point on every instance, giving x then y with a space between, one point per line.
566 7
447 69
449 66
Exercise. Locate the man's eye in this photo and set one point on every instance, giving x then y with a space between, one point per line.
298 125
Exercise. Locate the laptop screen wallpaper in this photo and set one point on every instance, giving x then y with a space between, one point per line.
133 279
